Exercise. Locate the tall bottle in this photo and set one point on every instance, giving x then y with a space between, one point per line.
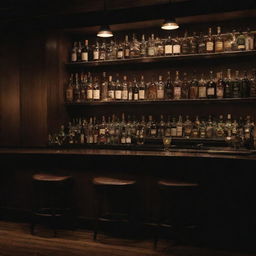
96 90
111 89
228 85
194 44
168 46
152 90
142 89
245 86
219 44
125 89
74 52
253 84
179 127
151 46
102 131
126 47
83 86
220 86
185 45
135 89
177 87
168 87
120 51
76 91
130 91
240 41
160 89
202 88
69 90
85 51
118 88
211 87
185 87
209 42
96 52
201 43
79 51
176 46
236 86
193 89
89 89
104 87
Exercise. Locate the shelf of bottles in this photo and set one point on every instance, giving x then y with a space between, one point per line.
157 49
84 89
149 132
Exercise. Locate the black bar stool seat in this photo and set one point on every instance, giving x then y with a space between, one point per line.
51 198
114 200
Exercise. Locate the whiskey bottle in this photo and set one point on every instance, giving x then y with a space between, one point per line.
135 89
209 42
159 47
201 43
143 47
168 127
249 40
104 87
95 130
220 86
142 89
195 128
220 127
228 42
202 130
253 84
211 87
83 86
228 85
79 51
134 48
96 52
152 90
177 87
179 127
102 52
102 131
176 46
76 92
120 51
85 51
193 88
153 127
161 127
168 46
89 89
168 87
219 45
187 127
111 89
151 46
74 52
69 90
96 90
194 44
240 41
236 92
185 46
126 48
130 91
118 88
160 89
245 86
228 126
234 41
125 89
209 128
202 88
185 87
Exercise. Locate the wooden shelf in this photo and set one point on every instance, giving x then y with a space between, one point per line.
158 102
162 59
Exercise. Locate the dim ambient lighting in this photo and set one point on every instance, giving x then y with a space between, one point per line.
105 31
170 24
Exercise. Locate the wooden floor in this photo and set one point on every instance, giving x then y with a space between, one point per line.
15 239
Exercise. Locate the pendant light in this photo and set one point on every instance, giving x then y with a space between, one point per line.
104 30
170 23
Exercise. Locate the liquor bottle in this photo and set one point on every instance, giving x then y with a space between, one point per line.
114 51
118 88
76 91
195 128
120 51
152 90
194 44
249 40
211 87
142 89
85 51
89 137
228 39
102 131
187 127
135 89
79 51
209 42
151 46
228 126
234 41
168 87
234 131
173 128
104 87
161 127
248 129
83 86
219 45
126 47
130 91
95 130
202 88
111 88
167 132
159 47
143 47
111 53
253 84
228 85
176 46
185 87
89 89
209 128
179 127
134 48
69 90
236 90
153 127
201 43
74 52
125 89
245 86
168 46
202 130
185 44
177 87
220 132
160 89
102 53
193 88
220 86
96 89
240 41
96 52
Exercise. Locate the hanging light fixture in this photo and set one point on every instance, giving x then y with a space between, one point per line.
104 30
170 23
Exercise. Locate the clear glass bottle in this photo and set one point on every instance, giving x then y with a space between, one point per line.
79 51
201 43
130 91
89 88
120 51
159 47
179 127
187 127
161 127
240 41
135 90
135 48
104 87
96 51
103 53
249 40
209 128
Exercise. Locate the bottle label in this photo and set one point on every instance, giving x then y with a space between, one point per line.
202 92
95 55
210 91
177 93
141 94
151 51
102 131
160 94
96 94
89 94
111 94
220 92
82 138
123 140
128 140
173 132
179 131
219 46
130 96
127 53
176 48
136 96
209 46
118 94
153 131
84 56
241 46
74 57
227 45
124 95
120 54
90 139
168 49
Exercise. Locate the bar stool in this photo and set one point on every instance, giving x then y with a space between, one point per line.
177 206
51 199
114 201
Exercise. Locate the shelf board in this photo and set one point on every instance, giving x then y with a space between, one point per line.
162 59
158 102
